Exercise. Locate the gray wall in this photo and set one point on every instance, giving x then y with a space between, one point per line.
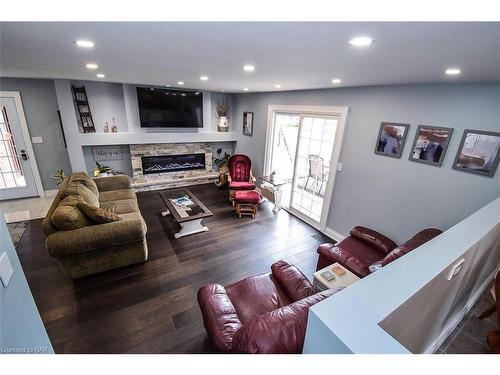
396 196
40 107
21 327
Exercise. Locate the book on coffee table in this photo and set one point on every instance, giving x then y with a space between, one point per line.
338 270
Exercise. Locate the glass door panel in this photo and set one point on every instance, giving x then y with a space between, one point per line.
312 165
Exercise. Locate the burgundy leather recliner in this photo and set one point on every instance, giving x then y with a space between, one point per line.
366 247
260 314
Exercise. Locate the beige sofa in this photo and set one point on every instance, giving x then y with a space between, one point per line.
83 247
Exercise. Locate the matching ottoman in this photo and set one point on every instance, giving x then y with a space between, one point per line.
246 202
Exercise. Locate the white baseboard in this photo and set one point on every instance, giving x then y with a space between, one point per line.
461 314
51 193
334 234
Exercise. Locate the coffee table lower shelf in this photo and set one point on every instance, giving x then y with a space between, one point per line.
188 227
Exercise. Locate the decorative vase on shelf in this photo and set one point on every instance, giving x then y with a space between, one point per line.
114 128
223 124
106 128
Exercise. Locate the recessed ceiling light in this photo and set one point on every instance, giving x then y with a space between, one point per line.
336 81
183 94
167 85
361 41
84 43
197 93
245 89
453 71
100 75
248 68
204 78
277 86
180 83
92 66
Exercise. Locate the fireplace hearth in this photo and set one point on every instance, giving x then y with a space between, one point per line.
172 163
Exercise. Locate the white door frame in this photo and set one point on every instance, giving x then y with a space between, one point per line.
310 110
26 137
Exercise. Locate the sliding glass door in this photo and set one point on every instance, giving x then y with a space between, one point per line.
303 151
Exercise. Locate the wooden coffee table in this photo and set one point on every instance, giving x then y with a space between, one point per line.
186 210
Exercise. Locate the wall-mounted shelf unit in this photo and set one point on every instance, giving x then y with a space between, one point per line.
83 109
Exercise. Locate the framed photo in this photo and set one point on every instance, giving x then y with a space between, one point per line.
248 123
391 139
430 144
479 152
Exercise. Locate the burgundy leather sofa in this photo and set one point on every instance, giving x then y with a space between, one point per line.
366 248
260 314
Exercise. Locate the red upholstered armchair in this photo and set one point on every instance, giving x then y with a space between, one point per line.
240 174
366 250
260 314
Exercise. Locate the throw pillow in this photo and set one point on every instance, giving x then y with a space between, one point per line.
67 216
98 215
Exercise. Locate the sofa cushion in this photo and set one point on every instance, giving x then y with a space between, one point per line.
255 296
293 282
419 239
85 180
121 206
279 331
113 195
373 238
79 189
67 215
98 215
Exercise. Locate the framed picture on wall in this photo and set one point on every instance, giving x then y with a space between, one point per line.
479 152
248 123
391 139
430 144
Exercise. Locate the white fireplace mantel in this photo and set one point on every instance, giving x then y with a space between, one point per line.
100 139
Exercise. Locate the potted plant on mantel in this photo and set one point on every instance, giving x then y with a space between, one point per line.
223 109
102 170
221 163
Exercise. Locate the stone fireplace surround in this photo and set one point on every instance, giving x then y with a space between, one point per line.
153 181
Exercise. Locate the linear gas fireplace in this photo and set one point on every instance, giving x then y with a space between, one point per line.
172 163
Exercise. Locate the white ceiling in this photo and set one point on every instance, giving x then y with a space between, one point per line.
296 55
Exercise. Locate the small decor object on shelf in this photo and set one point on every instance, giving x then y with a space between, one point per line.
223 109
328 275
83 109
391 139
59 176
430 144
479 152
248 123
101 170
114 128
106 128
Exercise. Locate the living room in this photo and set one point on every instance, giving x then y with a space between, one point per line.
250 188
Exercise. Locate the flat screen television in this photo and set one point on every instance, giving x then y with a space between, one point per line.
164 108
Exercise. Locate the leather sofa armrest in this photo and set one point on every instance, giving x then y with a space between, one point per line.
335 254
281 331
293 282
95 237
112 183
373 238
219 316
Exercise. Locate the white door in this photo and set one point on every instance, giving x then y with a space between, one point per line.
17 179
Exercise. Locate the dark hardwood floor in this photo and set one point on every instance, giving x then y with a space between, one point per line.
152 307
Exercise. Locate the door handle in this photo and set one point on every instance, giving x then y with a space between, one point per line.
24 155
